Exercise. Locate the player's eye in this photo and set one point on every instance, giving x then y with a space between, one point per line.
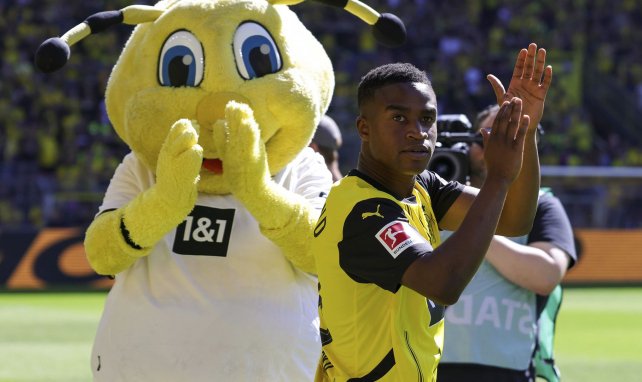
181 60
399 118
255 52
427 121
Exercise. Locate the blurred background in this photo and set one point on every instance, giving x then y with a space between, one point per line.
58 150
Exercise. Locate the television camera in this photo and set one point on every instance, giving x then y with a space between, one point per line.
454 136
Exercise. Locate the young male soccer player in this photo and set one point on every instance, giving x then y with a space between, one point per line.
383 275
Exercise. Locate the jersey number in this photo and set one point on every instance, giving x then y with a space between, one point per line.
320 223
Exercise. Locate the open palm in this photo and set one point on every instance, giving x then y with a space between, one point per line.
530 82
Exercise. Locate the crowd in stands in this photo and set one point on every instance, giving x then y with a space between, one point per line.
58 150
459 43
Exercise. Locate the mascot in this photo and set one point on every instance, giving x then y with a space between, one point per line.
206 222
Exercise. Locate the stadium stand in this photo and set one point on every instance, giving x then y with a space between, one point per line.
58 151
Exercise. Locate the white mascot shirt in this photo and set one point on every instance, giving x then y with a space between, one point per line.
215 300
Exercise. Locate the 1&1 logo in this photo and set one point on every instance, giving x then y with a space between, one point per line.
205 232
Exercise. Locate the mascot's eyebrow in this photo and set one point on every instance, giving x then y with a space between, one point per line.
54 53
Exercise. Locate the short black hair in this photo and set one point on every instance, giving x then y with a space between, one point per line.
389 74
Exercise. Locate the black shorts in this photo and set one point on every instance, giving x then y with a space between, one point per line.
467 372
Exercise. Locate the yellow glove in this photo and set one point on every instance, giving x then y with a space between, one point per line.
116 239
284 217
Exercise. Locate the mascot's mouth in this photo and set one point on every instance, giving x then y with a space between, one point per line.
213 165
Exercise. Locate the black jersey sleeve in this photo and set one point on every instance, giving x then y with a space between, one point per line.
552 225
379 244
442 193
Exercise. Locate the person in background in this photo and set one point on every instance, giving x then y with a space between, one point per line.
491 334
384 275
327 141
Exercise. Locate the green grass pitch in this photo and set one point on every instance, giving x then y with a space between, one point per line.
48 336
599 335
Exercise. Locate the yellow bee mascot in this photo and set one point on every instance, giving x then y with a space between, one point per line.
206 222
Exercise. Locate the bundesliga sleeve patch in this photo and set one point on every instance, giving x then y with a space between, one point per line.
397 236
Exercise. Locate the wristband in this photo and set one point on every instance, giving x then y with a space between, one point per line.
125 233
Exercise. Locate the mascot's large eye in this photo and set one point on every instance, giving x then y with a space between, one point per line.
181 60
255 52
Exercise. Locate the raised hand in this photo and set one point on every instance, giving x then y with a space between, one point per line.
116 239
179 163
161 208
238 141
530 82
504 143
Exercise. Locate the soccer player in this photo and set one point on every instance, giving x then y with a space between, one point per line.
384 276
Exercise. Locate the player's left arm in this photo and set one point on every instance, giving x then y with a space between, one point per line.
530 82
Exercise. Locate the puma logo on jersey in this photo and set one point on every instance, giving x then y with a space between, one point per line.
368 214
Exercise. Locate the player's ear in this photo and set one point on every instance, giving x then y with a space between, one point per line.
363 128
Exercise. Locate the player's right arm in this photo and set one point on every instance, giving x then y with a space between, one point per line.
442 274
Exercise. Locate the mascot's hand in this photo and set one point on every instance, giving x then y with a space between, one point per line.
283 216
116 239
164 206
179 163
238 141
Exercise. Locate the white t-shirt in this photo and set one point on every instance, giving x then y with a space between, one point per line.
215 300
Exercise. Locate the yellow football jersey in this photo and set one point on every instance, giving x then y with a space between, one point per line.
372 327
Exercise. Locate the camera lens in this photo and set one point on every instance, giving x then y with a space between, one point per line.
450 164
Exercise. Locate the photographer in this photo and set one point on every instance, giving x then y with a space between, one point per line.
491 334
